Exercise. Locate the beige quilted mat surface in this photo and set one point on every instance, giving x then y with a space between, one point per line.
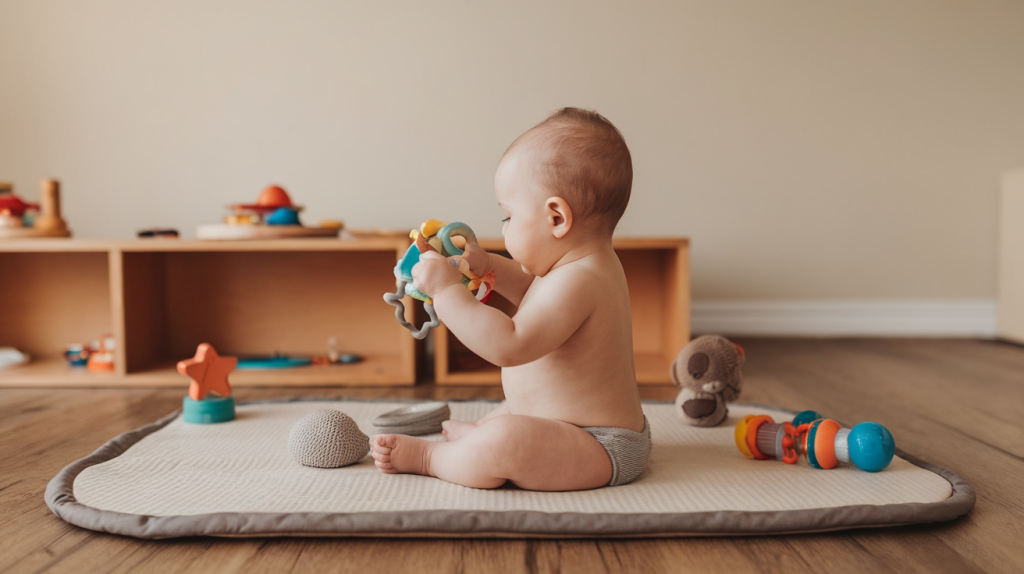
244 466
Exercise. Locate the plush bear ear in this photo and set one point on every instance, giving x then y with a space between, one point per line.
672 372
743 354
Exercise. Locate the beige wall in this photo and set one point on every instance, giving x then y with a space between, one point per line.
812 150
1011 258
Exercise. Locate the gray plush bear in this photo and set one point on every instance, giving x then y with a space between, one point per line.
708 369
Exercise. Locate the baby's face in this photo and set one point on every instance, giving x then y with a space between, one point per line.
521 196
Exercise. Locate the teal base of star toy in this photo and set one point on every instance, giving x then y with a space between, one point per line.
210 410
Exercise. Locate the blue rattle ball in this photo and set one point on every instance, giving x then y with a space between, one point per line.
871 446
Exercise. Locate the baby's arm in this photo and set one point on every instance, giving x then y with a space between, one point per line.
559 305
512 282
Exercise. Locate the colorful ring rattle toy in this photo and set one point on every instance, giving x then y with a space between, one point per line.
434 235
823 442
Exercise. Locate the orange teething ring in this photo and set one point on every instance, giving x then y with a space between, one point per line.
752 427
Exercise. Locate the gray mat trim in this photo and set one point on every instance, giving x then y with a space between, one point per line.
60 499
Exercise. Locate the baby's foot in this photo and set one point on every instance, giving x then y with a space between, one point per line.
401 454
454 430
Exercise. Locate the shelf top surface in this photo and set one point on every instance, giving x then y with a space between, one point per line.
619 242
382 243
165 245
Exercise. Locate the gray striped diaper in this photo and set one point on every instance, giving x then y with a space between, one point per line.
627 449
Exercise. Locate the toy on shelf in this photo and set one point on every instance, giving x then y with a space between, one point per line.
708 370
47 222
434 235
274 361
11 357
209 397
823 442
334 356
10 221
76 355
157 233
273 216
101 354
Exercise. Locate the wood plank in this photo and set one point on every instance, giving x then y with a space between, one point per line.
381 369
115 268
345 243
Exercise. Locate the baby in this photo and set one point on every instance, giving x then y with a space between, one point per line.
572 418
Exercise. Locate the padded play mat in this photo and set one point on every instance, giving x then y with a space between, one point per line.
170 479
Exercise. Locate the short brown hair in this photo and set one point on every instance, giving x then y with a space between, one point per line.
588 163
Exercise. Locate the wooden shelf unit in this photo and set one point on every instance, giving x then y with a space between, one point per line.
658 275
161 298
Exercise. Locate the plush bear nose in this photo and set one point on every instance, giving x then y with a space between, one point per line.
698 365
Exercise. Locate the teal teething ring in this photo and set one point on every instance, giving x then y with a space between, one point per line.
403 276
210 410
458 229
812 458
806 417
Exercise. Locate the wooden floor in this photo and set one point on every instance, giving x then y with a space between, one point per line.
956 403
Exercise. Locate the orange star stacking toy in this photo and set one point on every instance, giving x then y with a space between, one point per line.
209 397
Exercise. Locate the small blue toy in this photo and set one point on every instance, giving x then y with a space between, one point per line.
434 235
284 216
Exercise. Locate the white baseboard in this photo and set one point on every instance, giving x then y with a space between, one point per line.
932 318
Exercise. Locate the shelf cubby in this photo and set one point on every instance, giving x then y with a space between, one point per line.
161 298
658 274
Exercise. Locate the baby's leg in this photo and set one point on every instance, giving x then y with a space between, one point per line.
453 430
534 453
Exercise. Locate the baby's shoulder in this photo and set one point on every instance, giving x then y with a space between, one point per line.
579 279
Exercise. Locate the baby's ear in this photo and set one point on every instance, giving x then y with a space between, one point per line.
559 216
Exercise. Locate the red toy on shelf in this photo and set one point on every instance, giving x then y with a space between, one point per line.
273 216
47 222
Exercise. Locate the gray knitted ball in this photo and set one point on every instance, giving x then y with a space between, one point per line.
327 439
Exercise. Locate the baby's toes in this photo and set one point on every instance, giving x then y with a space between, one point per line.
383 461
383 443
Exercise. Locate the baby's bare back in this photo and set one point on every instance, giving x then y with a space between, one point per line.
590 379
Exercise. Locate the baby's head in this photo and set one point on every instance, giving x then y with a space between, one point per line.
565 181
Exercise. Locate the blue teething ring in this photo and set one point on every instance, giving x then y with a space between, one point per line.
806 417
209 410
459 229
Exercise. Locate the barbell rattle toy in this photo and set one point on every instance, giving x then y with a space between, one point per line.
823 442
434 235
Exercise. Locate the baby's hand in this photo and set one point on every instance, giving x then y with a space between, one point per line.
478 258
433 273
